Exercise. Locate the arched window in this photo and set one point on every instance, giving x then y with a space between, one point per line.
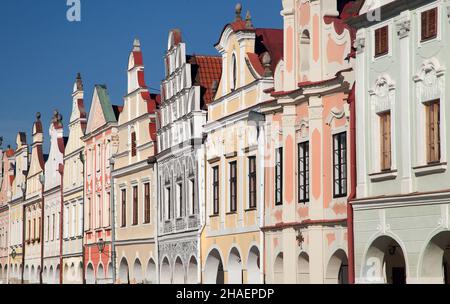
233 72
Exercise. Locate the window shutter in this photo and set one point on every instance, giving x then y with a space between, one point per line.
384 40
432 23
424 25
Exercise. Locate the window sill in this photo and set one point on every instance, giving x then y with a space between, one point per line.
231 213
430 169
383 176
214 215
251 209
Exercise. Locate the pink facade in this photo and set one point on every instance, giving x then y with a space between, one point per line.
308 149
97 219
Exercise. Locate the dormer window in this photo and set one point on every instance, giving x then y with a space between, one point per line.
233 72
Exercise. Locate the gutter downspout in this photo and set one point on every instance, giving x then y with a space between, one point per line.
24 216
42 232
113 220
61 217
350 229
262 239
202 210
150 161
8 243
83 279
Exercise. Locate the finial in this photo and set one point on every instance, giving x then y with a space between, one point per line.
267 61
136 45
38 116
9 147
1 141
79 82
248 20
238 10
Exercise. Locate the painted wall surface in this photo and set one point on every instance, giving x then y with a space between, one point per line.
73 189
306 240
231 242
97 212
135 242
387 214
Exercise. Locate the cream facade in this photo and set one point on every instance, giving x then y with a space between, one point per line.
73 190
134 179
33 208
53 213
232 243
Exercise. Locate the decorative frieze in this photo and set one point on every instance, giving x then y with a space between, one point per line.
360 44
403 28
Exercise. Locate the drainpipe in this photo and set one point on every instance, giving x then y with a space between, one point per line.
61 216
8 243
24 216
42 181
155 181
113 220
350 229
261 147
83 278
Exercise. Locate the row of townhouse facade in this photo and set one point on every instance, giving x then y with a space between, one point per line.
315 153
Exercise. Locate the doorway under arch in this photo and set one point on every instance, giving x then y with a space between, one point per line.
278 270
385 262
436 260
234 267
253 266
214 273
303 269
192 273
124 272
178 272
165 276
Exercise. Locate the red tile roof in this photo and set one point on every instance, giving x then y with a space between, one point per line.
269 40
209 69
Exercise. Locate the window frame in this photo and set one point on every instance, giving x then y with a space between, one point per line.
233 186
135 192
385 119
425 34
343 150
279 176
147 204
123 193
252 177
378 41
216 189
430 158
303 194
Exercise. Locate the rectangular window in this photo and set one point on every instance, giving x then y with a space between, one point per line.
108 209
34 229
233 187
89 221
48 228
216 190
179 198
168 197
385 137
135 206
382 41
252 182
279 177
29 230
124 207
53 227
147 203
433 132
340 164
98 158
192 196
133 144
429 24
99 211
303 172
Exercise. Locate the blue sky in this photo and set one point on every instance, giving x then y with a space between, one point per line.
41 52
